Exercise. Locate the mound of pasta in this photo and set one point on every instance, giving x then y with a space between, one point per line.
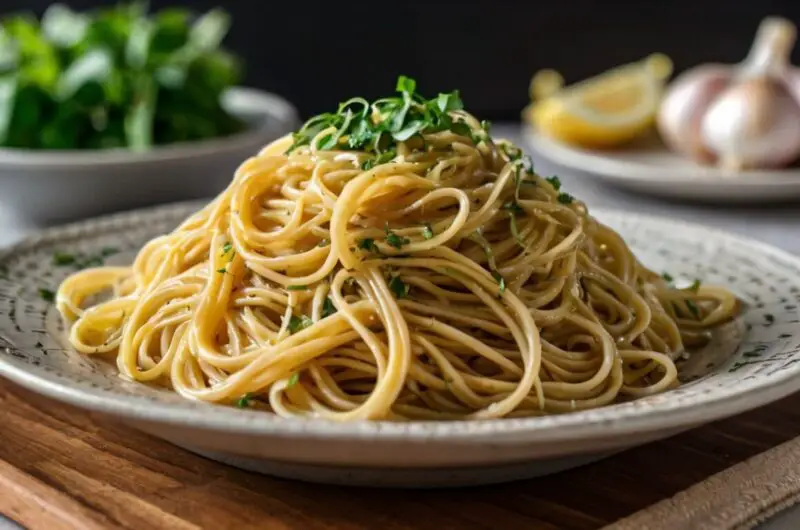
392 261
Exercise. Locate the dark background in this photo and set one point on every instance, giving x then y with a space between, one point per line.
317 53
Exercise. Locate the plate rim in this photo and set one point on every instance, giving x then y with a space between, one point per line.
533 430
622 171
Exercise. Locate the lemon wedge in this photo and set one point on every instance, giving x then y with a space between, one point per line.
603 111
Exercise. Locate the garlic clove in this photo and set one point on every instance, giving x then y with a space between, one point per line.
681 113
753 123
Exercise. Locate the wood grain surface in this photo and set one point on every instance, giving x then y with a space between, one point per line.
62 468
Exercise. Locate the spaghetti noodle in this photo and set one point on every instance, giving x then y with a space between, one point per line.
431 277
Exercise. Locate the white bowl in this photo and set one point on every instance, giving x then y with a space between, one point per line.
44 187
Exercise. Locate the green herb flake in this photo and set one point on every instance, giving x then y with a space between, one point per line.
693 308
297 288
293 380
769 318
61 259
555 182
500 281
398 287
395 240
108 251
667 277
244 401
368 244
328 308
427 231
223 270
565 198
324 243
695 286
299 323
227 248
47 295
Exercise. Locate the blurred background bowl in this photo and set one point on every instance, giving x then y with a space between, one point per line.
39 188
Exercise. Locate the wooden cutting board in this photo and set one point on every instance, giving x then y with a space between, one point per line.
62 468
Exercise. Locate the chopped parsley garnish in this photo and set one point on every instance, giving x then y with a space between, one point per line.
395 240
368 244
61 259
500 281
486 125
244 401
223 270
667 277
382 158
695 286
377 127
324 243
293 380
769 318
297 288
80 260
328 308
299 323
513 209
693 308
399 288
565 198
226 248
47 295
555 182
427 231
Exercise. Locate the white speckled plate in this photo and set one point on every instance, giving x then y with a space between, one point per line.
648 166
764 367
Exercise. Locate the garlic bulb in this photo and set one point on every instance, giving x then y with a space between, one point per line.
745 116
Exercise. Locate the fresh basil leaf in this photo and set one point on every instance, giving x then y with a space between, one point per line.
139 120
406 84
64 27
93 66
412 128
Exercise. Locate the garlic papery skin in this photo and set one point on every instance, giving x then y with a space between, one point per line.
753 124
746 116
680 116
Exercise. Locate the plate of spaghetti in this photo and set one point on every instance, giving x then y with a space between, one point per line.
392 296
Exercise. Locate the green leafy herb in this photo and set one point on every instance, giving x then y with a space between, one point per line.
295 377
382 158
693 308
399 288
62 259
328 308
299 323
244 401
500 281
297 288
80 260
427 231
555 182
565 198
368 244
227 248
513 210
115 77
667 277
223 270
47 295
695 286
324 243
377 127
394 240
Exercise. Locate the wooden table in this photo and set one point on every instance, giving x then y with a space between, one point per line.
62 468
